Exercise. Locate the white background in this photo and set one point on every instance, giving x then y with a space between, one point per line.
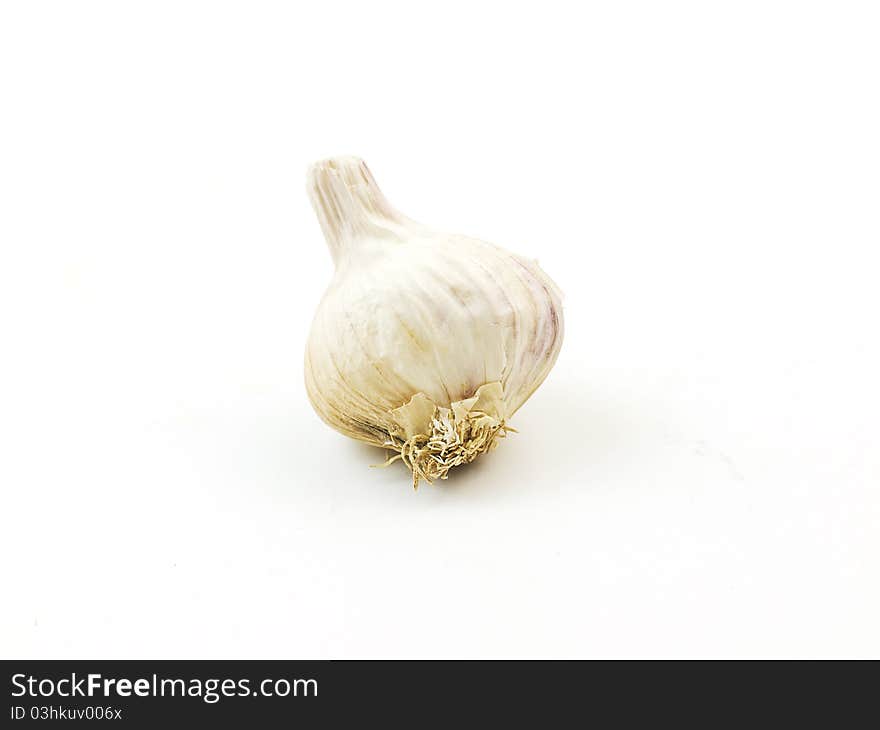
699 475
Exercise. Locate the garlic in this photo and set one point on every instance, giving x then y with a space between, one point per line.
425 343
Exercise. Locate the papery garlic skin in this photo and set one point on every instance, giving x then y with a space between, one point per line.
425 343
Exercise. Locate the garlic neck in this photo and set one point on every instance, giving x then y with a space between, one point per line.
348 203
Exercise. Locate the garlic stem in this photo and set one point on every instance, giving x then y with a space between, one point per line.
348 202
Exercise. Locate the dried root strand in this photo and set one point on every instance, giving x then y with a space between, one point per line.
452 442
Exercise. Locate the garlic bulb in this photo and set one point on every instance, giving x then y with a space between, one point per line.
425 343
